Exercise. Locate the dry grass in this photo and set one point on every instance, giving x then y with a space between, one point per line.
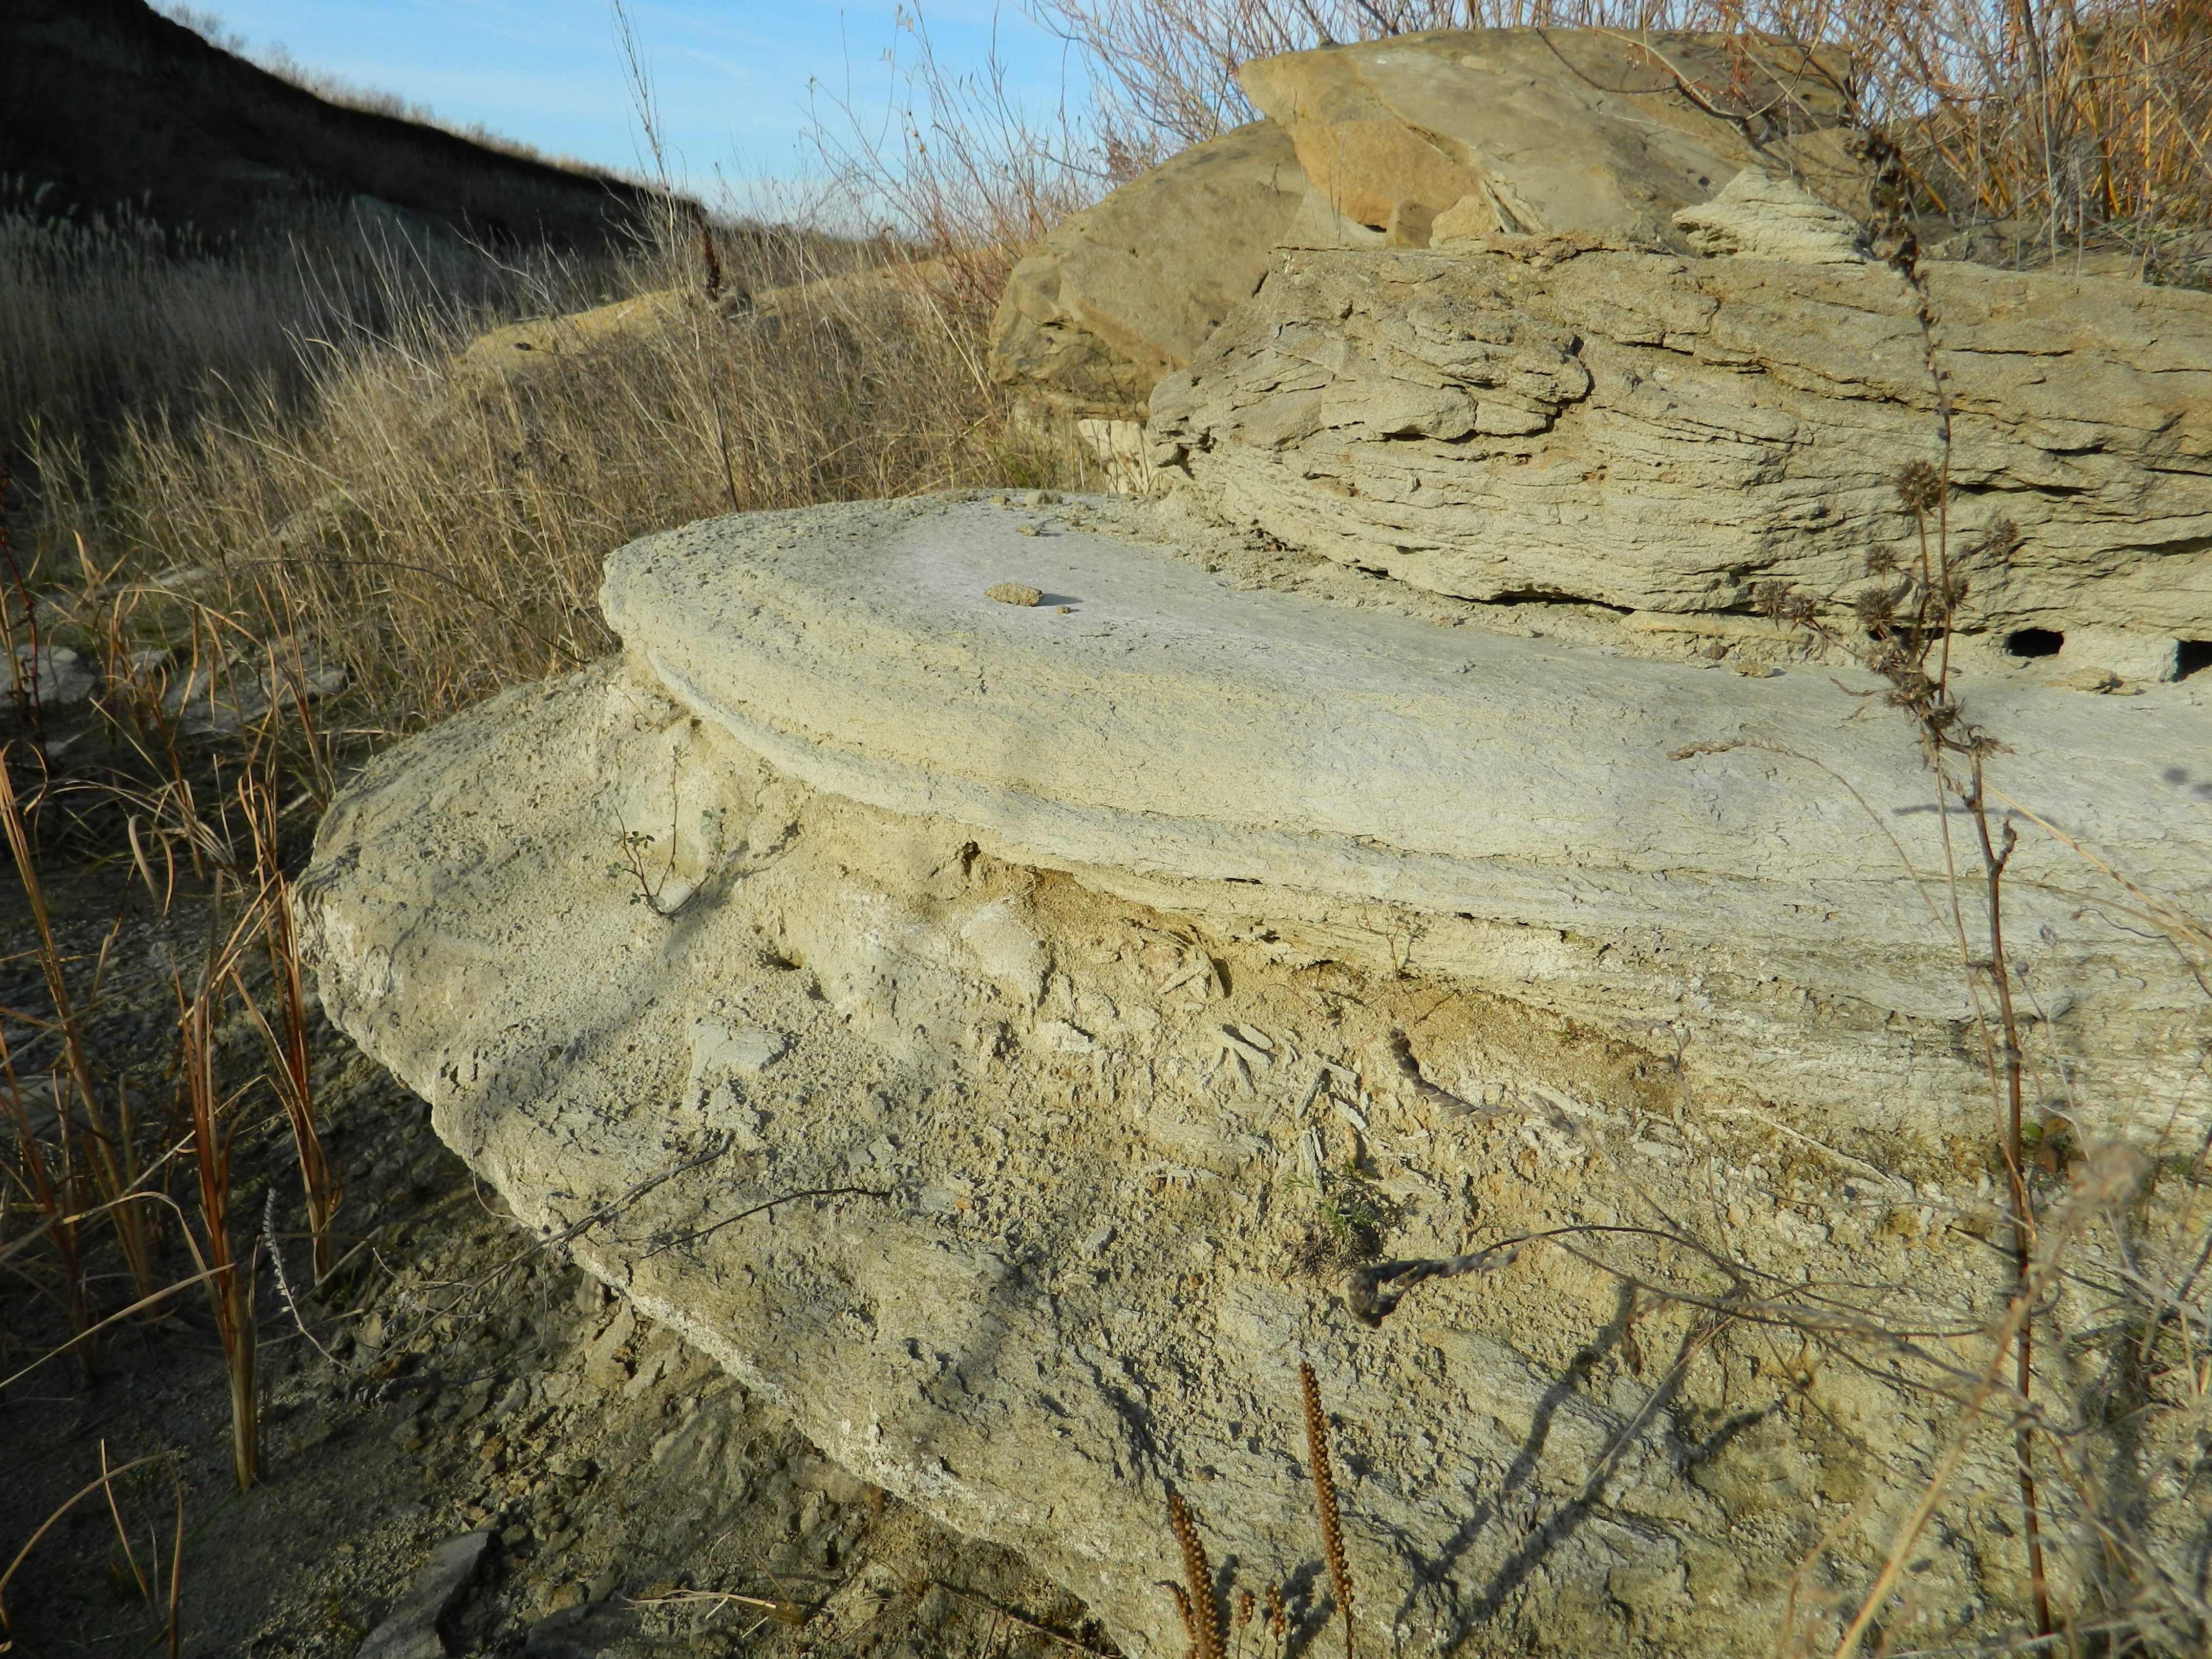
269 507
436 530
263 498
113 319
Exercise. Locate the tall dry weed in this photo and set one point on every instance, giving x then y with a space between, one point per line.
956 164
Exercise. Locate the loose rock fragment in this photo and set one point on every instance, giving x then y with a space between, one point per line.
1759 217
410 1630
1014 593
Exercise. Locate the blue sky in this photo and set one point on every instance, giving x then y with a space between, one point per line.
731 76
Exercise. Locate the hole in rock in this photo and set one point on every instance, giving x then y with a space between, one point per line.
2035 642
2194 655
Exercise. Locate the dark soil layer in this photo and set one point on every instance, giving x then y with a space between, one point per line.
110 105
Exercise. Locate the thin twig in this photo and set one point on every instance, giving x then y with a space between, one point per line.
769 1204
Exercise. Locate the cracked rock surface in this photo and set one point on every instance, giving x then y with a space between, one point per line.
1556 417
991 1033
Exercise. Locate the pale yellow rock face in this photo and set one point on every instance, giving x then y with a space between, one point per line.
520 348
1539 132
1551 418
1120 294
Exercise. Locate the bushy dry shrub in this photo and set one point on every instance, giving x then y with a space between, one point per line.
956 165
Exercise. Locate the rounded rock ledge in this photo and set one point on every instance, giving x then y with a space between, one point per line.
1624 841
994 1035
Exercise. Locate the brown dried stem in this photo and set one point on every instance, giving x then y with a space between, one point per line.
1324 1484
291 1073
1201 1606
228 1293
110 1150
1906 638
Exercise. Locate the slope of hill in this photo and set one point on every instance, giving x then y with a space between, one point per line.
105 102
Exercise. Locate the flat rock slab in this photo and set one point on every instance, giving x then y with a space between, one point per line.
1150 719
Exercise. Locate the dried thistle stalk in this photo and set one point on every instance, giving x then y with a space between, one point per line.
1324 1482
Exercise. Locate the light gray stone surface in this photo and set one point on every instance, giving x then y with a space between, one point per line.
1079 939
1556 417
1758 215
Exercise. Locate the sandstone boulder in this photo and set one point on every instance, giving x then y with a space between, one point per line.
1537 132
1760 217
1118 294
1082 989
1553 418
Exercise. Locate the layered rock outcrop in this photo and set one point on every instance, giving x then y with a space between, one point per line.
1563 417
993 1032
1451 134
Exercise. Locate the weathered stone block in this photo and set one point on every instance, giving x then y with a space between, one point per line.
1067 983
1552 417
1537 132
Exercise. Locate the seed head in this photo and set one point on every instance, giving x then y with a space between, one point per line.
1999 540
1920 486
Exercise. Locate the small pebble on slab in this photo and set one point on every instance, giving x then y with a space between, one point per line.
1014 593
